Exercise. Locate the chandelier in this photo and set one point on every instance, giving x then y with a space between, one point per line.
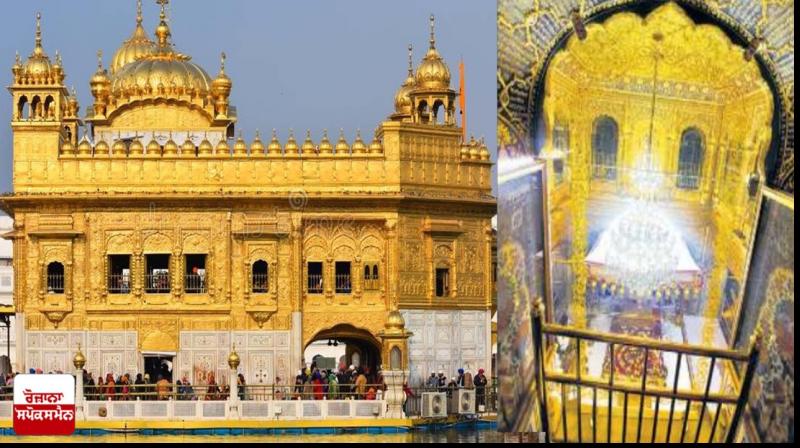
643 250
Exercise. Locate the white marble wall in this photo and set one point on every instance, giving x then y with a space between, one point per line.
448 340
106 351
264 355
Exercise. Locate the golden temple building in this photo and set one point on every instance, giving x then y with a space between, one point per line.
149 230
651 296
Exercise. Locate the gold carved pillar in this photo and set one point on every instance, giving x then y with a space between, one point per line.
390 273
579 194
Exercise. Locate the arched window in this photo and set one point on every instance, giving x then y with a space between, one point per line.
55 278
605 141
423 112
370 276
439 113
23 108
690 159
36 107
260 277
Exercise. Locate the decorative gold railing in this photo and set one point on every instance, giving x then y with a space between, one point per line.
562 422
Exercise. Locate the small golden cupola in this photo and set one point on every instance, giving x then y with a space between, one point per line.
403 107
136 47
432 99
38 69
221 90
101 87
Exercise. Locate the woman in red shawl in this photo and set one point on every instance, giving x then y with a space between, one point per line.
111 392
316 380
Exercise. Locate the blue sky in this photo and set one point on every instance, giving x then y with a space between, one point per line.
316 64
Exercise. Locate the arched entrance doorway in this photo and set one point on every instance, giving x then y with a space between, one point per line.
343 346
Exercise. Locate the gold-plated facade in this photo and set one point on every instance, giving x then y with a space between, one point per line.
156 176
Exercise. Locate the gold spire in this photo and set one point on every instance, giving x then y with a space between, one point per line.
37 49
410 61
402 99
433 32
138 12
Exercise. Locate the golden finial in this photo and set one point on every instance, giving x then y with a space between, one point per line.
233 358
38 29
410 60
79 360
99 60
138 12
17 59
162 31
222 63
433 35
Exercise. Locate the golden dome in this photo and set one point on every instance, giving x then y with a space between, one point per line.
136 148
67 148
341 146
308 144
474 151
38 62
84 147
101 147
402 99
119 148
170 148
433 72
257 147
358 145
153 148
291 144
240 147
163 71
223 148
187 149
376 147
274 145
325 146
395 320
465 147
484 151
136 47
206 148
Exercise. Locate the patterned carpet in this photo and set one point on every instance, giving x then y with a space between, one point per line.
629 361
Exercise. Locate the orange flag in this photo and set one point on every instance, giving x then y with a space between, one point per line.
462 100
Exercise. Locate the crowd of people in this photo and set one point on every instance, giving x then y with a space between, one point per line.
311 383
356 383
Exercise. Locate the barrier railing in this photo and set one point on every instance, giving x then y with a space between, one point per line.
576 407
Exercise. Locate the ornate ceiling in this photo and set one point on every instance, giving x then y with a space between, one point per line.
529 31
625 47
